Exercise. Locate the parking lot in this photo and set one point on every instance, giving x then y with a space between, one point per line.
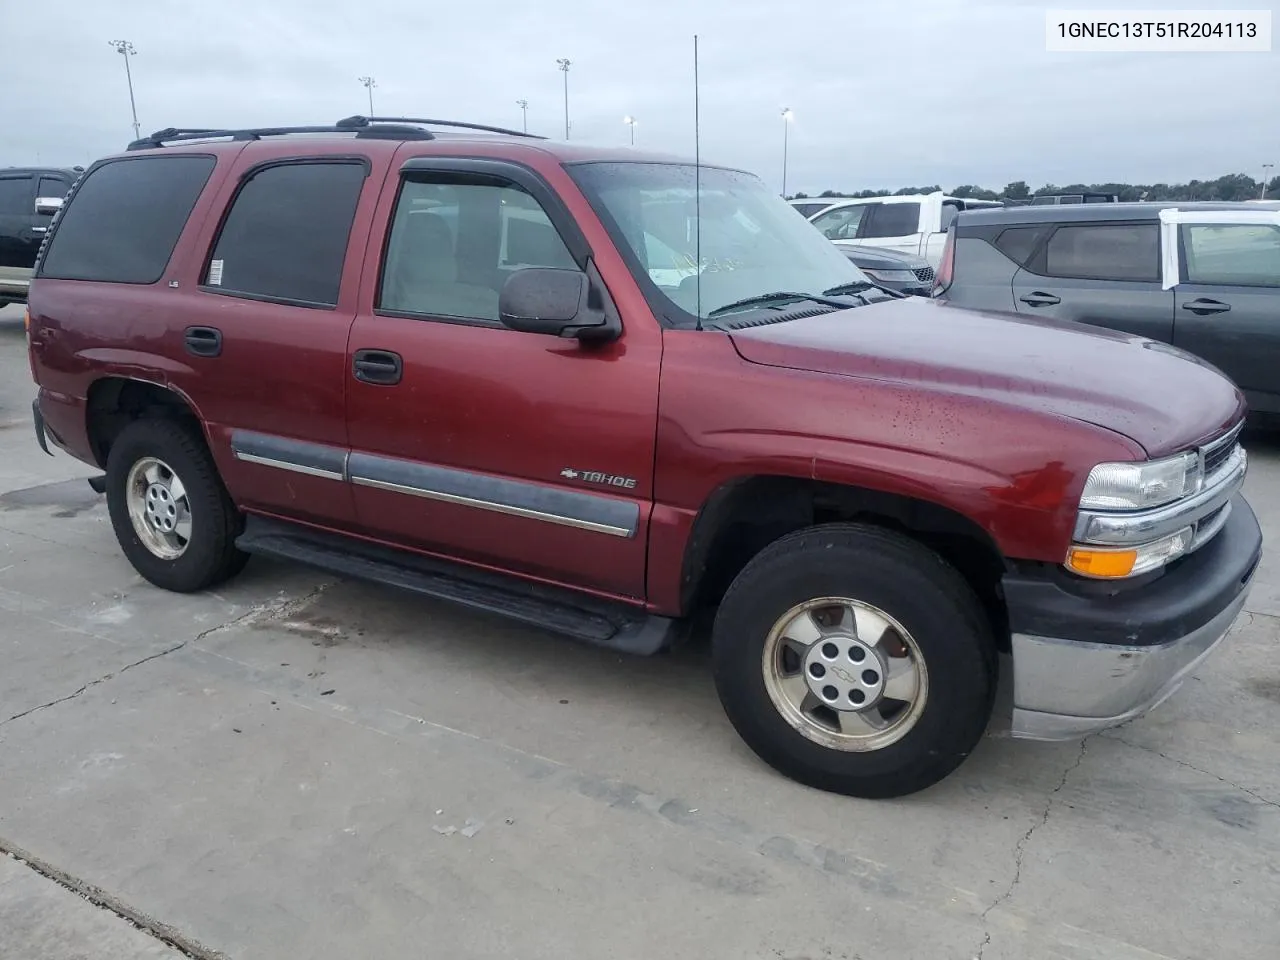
301 766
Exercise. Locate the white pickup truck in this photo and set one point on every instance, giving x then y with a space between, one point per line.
915 223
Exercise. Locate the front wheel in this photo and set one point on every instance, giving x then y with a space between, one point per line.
855 660
169 509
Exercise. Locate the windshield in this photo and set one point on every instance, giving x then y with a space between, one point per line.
752 242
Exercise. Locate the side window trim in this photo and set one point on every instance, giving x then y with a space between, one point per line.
244 178
516 174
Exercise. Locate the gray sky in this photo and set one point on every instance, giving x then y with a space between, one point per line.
884 94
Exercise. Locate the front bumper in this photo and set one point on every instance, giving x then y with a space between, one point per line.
1085 660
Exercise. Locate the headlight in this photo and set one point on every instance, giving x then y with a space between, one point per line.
1137 486
890 276
1107 563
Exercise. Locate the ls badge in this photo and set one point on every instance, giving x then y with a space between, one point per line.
598 478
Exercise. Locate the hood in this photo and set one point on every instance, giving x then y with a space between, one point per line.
1156 395
878 258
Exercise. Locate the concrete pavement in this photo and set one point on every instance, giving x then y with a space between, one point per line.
299 766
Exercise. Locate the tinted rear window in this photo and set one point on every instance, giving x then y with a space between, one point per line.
124 220
1018 243
286 235
893 220
1128 251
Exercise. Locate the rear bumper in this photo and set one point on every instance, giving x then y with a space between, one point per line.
14 283
59 419
41 435
1083 663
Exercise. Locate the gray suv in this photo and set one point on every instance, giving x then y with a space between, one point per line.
1201 276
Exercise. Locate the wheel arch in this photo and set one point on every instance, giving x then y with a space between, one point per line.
113 402
746 514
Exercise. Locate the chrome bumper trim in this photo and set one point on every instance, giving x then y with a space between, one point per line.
1065 689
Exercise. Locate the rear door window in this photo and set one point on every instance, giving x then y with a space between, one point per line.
125 219
285 237
892 220
1246 255
15 196
1110 251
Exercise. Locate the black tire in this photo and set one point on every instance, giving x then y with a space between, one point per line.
210 556
900 577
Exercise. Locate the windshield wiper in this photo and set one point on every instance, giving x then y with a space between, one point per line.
780 296
846 289
860 289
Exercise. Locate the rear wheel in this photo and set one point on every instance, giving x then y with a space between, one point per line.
169 509
855 660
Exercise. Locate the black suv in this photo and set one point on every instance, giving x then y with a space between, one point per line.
1201 276
29 197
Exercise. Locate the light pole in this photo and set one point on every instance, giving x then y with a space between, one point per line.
369 83
524 110
786 125
631 122
126 50
564 68
1265 168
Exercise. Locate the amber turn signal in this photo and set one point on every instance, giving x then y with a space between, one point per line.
1090 562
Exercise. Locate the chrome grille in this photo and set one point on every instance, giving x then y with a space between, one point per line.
1216 452
924 274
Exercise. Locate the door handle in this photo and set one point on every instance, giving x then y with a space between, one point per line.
203 341
1038 299
377 366
39 229
1204 307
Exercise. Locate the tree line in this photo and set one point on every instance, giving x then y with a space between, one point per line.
1233 186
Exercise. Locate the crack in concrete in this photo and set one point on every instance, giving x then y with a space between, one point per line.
1019 849
1191 766
258 612
105 901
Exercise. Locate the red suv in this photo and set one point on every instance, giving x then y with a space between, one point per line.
600 392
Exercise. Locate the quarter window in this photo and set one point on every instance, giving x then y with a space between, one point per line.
286 235
1246 255
456 240
1125 251
125 219
1019 243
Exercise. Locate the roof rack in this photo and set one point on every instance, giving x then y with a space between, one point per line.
371 128
358 121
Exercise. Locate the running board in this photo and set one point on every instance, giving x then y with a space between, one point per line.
616 626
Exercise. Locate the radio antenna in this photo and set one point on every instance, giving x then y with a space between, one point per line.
697 189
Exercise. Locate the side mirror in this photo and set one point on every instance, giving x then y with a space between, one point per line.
48 206
552 301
